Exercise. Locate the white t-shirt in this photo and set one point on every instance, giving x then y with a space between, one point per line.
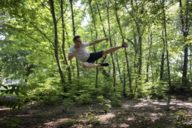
82 53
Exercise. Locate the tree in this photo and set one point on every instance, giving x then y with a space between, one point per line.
184 16
56 42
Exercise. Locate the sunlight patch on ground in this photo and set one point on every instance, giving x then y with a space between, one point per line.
124 125
125 106
130 118
174 102
142 104
183 104
23 115
105 118
159 103
4 109
57 122
155 116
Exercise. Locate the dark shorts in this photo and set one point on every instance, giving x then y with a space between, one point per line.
95 56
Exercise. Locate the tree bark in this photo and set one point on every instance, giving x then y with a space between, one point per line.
104 72
56 42
96 35
74 33
162 58
149 56
113 62
166 44
185 30
125 52
63 42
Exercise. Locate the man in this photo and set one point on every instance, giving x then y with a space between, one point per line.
78 50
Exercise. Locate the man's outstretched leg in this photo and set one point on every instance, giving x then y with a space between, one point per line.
111 50
91 65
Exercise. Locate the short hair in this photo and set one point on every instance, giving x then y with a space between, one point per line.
76 37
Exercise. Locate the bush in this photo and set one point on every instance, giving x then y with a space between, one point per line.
84 99
105 103
46 96
12 101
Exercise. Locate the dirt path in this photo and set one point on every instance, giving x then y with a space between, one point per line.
132 114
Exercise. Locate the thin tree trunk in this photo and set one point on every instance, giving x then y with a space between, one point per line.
72 15
51 2
185 66
135 59
139 43
104 32
151 63
162 58
104 72
190 68
113 62
140 53
167 53
63 42
96 35
149 56
126 55
124 81
138 28
118 68
185 31
63 33
74 32
166 44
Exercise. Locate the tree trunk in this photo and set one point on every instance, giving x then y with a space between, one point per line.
140 53
104 32
166 44
190 68
119 70
74 32
51 2
113 62
135 60
162 58
63 42
125 52
185 66
185 30
167 54
149 56
138 25
104 72
96 35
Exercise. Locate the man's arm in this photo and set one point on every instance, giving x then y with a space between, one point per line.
97 41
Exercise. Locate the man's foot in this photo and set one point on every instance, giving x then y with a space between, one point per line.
124 45
104 64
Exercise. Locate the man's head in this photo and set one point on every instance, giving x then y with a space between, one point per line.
77 41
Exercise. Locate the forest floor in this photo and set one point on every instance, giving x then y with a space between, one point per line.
132 114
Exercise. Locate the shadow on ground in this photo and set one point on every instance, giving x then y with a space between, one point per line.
132 114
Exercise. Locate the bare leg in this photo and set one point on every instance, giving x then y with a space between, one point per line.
90 65
111 50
